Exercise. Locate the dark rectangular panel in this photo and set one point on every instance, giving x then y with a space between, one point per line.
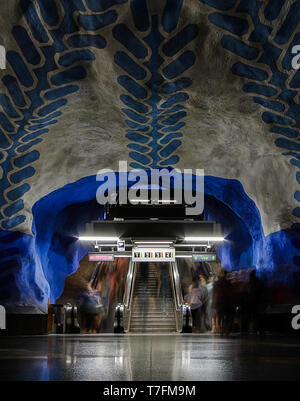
153 229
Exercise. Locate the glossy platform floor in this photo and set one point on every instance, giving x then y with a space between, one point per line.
149 357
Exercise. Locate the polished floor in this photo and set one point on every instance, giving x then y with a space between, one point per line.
149 357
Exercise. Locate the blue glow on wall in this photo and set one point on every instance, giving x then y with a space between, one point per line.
37 266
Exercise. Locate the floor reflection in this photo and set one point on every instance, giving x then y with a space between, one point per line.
148 357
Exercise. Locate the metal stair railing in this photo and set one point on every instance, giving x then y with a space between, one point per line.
182 309
123 310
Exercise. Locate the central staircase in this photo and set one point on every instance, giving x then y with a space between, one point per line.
158 319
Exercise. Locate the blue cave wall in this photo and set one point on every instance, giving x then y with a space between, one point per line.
37 265
237 251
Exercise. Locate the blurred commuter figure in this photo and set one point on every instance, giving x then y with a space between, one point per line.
216 306
239 281
195 271
223 307
198 299
103 288
120 281
91 309
204 297
104 285
209 308
256 303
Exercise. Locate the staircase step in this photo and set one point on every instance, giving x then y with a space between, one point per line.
157 301
162 316
170 316
153 326
152 322
156 312
153 311
154 319
157 305
152 331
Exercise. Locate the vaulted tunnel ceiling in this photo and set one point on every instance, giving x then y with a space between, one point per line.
189 84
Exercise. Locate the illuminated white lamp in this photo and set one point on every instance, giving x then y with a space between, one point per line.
103 239
199 239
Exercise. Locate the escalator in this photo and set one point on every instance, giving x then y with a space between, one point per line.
153 307
161 310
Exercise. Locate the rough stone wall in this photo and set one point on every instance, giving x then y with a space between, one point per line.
90 83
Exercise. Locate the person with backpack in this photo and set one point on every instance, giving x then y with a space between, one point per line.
91 308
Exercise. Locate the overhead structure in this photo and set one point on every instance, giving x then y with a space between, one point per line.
153 240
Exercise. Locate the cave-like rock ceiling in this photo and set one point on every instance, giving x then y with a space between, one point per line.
163 83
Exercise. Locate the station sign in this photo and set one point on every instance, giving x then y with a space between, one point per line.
101 257
153 254
205 257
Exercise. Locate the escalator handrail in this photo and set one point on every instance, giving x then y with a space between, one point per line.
176 286
182 308
94 276
128 296
178 293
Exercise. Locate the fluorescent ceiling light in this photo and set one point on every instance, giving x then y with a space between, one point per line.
104 239
199 245
214 239
153 242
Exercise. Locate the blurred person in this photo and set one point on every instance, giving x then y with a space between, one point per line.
216 302
256 303
198 297
239 281
204 269
104 285
204 295
122 270
91 309
208 309
195 271
223 308
103 288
